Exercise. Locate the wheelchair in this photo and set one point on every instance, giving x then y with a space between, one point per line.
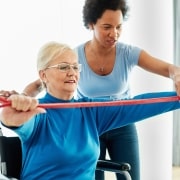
11 157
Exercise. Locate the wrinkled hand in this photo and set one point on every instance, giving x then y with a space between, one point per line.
21 110
174 73
23 103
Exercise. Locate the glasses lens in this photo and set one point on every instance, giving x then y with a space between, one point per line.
76 67
66 67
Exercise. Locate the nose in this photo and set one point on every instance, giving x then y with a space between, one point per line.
114 33
71 71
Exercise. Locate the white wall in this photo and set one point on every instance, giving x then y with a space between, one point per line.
26 25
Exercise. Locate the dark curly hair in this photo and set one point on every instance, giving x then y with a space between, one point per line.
93 9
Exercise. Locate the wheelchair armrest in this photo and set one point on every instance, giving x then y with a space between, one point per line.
108 165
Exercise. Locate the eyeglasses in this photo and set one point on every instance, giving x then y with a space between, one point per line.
65 67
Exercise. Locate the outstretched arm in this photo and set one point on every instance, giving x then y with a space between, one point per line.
140 112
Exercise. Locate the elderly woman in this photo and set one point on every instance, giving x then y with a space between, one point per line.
64 143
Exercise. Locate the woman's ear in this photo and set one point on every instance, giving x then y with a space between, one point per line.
91 26
42 75
43 78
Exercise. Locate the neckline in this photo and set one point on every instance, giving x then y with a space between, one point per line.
90 69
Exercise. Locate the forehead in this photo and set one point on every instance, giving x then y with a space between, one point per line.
111 17
67 56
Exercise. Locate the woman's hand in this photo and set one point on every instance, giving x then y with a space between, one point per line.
174 73
6 93
22 109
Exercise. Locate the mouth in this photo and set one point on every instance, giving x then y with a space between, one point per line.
112 41
70 81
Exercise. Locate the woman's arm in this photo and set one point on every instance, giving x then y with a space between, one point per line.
33 88
160 67
115 117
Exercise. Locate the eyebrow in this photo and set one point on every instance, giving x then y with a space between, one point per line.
67 63
110 24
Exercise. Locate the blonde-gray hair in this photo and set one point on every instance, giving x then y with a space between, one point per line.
49 52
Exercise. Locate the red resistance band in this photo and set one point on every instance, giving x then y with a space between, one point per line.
4 102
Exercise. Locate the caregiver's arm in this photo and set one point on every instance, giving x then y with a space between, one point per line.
33 88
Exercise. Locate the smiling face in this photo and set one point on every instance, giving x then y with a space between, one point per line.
61 83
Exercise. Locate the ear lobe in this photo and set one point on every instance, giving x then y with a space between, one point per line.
42 75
